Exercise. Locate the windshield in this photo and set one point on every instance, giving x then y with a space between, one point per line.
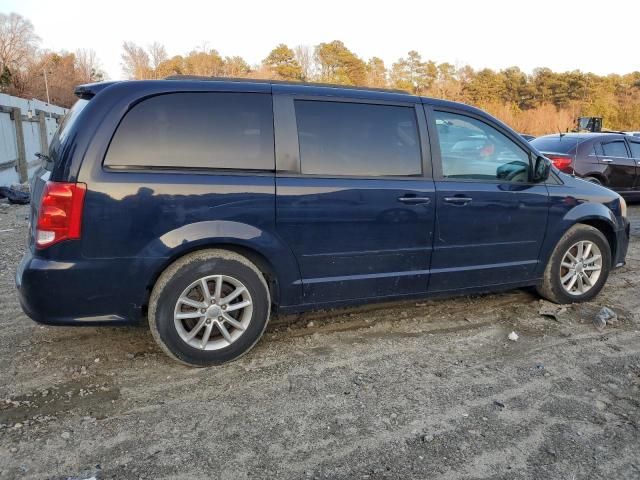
555 144
63 131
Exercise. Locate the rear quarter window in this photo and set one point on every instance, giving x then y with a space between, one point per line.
196 130
62 133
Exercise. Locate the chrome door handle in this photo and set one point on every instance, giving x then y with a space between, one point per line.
414 200
607 160
458 200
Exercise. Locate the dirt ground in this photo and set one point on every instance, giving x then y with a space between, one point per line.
424 390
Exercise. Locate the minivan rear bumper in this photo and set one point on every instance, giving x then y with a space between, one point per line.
76 293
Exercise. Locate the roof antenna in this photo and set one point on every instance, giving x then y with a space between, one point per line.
560 132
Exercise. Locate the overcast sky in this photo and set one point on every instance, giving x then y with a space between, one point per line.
600 37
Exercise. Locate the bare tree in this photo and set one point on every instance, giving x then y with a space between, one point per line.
135 62
304 56
18 44
158 54
88 66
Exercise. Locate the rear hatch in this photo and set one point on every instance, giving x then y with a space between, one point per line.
58 148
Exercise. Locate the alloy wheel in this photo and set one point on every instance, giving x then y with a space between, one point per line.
580 268
213 312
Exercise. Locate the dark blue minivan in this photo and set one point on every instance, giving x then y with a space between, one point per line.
206 204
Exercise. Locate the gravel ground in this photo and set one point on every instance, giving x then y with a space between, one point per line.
432 389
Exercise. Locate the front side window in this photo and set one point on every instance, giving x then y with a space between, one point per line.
196 130
357 139
615 149
471 149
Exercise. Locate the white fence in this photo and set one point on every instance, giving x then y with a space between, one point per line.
26 128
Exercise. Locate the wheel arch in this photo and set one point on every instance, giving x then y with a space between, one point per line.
605 228
253 255
596 215
259 246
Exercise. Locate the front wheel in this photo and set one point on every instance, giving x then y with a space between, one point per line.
578 268
209 307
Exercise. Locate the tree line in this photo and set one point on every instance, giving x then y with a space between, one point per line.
540 102
28 71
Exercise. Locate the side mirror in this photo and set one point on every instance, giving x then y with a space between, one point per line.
541 169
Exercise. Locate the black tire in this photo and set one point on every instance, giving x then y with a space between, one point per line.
179 276
551 287
593 180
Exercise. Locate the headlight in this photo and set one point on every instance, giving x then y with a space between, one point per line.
623 207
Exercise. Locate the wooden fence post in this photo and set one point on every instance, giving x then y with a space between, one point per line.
44 143
21 166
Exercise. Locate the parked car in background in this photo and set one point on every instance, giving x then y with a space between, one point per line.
527 137
205 205
633 134
608 159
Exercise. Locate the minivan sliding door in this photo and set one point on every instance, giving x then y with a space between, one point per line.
352 197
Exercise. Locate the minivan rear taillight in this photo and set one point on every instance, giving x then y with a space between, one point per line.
561 162
60 214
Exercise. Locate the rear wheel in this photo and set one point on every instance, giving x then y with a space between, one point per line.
209 307
593 180
578 267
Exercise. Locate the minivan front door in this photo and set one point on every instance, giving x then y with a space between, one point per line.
357 210
490 219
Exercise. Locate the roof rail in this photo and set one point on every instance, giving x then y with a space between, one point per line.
280 82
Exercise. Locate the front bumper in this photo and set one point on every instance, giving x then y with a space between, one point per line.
77 293
622 239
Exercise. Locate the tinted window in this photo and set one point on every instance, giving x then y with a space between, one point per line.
635 149
597 148
555 144
198 130
357 139
471 149
63 131
615 149
70 118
